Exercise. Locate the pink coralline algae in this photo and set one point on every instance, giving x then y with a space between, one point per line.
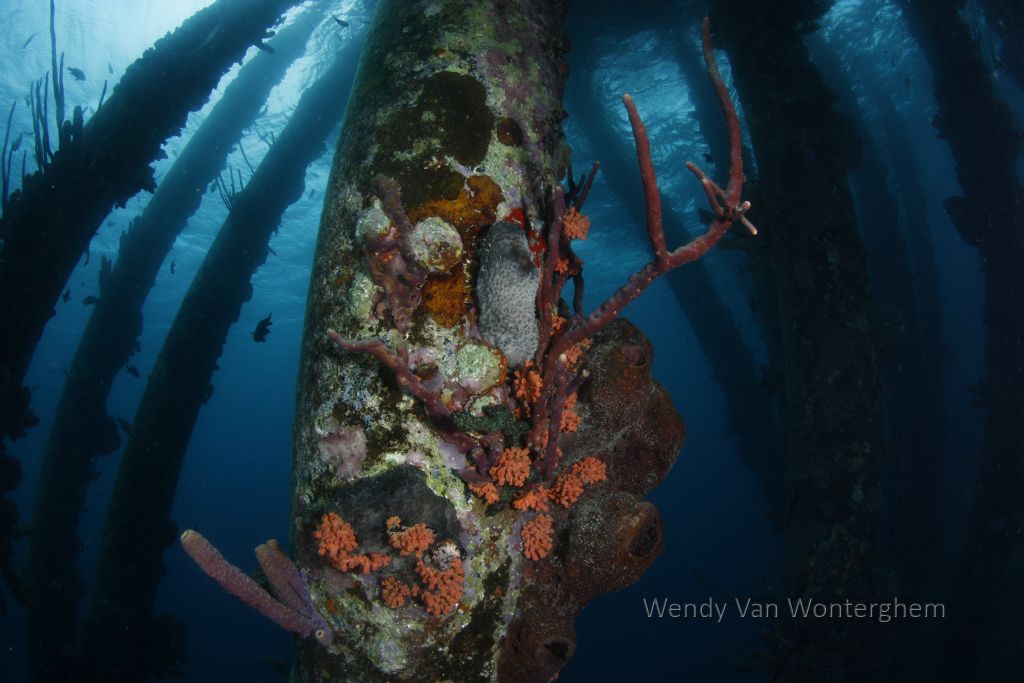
344 447
391 256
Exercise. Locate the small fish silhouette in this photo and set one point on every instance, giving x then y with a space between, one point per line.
90 300
312 192
708 158
131 370
67 295
110 68
262 330
341 22
266 48
77 73
125 425
172 267
17 143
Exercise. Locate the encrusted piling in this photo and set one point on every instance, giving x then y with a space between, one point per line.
458 106
471 451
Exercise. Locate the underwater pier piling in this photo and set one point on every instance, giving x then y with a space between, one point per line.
138 526
49 222
833 412
989 215
82 430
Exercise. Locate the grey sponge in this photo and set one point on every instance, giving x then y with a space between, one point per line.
506 288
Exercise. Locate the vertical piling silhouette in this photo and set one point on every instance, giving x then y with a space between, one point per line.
82 430
138 526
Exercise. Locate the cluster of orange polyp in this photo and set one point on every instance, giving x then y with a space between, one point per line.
524 476
440 571
512 469
545 390
588 433
607 537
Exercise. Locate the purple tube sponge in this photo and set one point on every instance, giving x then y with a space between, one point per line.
292 609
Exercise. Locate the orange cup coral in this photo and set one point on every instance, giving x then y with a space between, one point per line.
337 540
538 537
512 467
